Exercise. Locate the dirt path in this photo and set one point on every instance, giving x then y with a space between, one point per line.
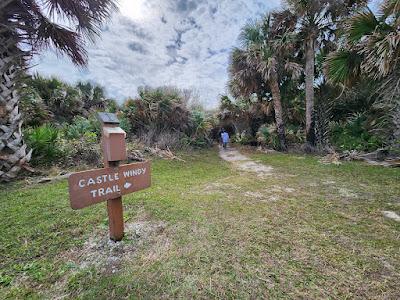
244 163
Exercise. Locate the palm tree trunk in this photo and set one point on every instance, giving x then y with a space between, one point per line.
13 154
280 124
309 72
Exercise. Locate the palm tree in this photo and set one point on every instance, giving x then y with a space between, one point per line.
371 50
317 21
244 79
263 60
26 27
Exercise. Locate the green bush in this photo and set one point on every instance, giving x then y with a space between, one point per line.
195 141
112 106
294 134
353 135
267 136
159 109
44 142
199 130
243 138
80 126
162 117
66 102
34 110
125 125
84 150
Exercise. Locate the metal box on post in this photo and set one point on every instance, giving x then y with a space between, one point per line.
114 143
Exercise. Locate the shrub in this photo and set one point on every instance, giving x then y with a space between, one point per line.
163 140
84 150
92 95
62 100
294 134
160 109
44 142
33 108
80 126
195 141
353 135
112 106
66 102
44 86
162 117
200 128
267 136
125 125
243 138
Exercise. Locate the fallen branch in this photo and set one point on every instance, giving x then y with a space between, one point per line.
164 154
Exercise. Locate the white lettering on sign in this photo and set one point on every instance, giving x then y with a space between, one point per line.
98 180
105 191
135 172
93 186
92 181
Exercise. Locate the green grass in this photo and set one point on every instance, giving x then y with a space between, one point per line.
308 231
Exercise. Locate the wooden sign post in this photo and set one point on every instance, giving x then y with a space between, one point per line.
112 158
113 181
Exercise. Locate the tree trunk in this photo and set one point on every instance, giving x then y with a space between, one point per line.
280 124
13 154
309 72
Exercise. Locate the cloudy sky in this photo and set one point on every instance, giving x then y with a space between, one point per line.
184 43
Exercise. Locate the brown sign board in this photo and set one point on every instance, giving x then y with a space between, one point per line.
94 186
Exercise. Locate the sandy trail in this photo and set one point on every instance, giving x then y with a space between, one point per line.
244 163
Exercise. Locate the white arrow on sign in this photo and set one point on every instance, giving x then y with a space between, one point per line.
127 185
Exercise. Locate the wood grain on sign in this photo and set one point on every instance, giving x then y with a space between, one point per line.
94 186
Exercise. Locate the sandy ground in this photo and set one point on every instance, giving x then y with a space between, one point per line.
244 163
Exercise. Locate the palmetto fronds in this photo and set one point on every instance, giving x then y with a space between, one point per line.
391 8
372 47
360 25
293 68
161 109
33 24
381 52
244 76
31 21
251 33
344 66
371 50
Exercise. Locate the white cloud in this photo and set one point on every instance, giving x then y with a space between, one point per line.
185 43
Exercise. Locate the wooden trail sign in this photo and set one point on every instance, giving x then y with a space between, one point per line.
112 182
94 186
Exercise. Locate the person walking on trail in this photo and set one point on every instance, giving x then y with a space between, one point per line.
225 138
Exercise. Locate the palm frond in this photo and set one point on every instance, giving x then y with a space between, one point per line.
294 69
381 54
63 40
250 34
88 14
391 8
362 24
35 23
244 77
343 66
